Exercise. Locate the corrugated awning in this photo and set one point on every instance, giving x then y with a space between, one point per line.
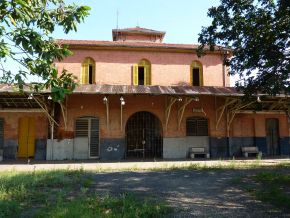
132 90
156 90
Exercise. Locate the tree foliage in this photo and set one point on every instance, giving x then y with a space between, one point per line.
25 39
258 32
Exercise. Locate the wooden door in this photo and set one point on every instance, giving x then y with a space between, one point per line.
26 137
272 135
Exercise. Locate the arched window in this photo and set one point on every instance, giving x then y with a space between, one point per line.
196 126
88 71
196 74
142 73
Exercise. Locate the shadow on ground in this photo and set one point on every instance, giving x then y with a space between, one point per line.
216 193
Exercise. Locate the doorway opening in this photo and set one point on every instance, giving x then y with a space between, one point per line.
88 127
26 137
144 136
272 136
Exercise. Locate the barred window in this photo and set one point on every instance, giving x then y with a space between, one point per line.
196 126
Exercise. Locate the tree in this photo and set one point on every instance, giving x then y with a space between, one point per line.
258 32
25 38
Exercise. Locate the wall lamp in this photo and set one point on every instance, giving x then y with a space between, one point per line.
105 100
196 98
30 97
122 101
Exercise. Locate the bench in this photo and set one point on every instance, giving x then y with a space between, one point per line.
198 151
251 150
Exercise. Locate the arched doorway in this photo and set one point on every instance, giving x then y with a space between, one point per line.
144 136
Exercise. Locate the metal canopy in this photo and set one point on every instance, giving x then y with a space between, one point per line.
17 100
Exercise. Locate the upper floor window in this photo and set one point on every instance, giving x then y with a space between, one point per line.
196 126
142 73
196 74
88 71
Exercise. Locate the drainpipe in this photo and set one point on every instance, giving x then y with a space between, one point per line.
51 131
224 56
224 72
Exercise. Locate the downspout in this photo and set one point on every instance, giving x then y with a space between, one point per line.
52 131
224 55
224 73
228 133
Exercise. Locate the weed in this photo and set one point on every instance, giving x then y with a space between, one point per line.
273 187
66 193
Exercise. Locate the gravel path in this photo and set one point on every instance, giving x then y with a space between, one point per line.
193 193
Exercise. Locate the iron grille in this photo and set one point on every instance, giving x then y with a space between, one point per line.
144 136
196 126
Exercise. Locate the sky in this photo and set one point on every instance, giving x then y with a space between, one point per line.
181 19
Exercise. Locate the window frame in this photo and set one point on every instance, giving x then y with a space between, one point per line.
147 72
197 122
85 71
196 65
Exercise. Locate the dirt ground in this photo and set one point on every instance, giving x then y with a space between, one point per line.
193 193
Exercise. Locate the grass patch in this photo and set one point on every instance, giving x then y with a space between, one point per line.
67 193
217 165
274 188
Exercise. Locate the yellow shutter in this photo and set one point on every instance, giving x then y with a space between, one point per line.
31 138
135 74
85 74
26 137
191 75
94 74
147 75
22 136
200 77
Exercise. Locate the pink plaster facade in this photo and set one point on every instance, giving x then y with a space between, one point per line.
167 68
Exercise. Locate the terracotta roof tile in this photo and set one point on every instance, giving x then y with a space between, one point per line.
95 43
139 30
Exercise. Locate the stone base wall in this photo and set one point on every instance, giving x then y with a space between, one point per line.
179 147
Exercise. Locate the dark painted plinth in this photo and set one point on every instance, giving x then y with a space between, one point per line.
40 149
10 149
112 149
285 146
218 147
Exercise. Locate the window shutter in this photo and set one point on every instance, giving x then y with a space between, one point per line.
191 75
196 126
94 137
200 77
82 127
147 74
135 74
94 74
85 73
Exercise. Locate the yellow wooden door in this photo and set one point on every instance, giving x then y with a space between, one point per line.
26 137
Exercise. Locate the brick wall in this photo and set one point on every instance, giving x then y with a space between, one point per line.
168 68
